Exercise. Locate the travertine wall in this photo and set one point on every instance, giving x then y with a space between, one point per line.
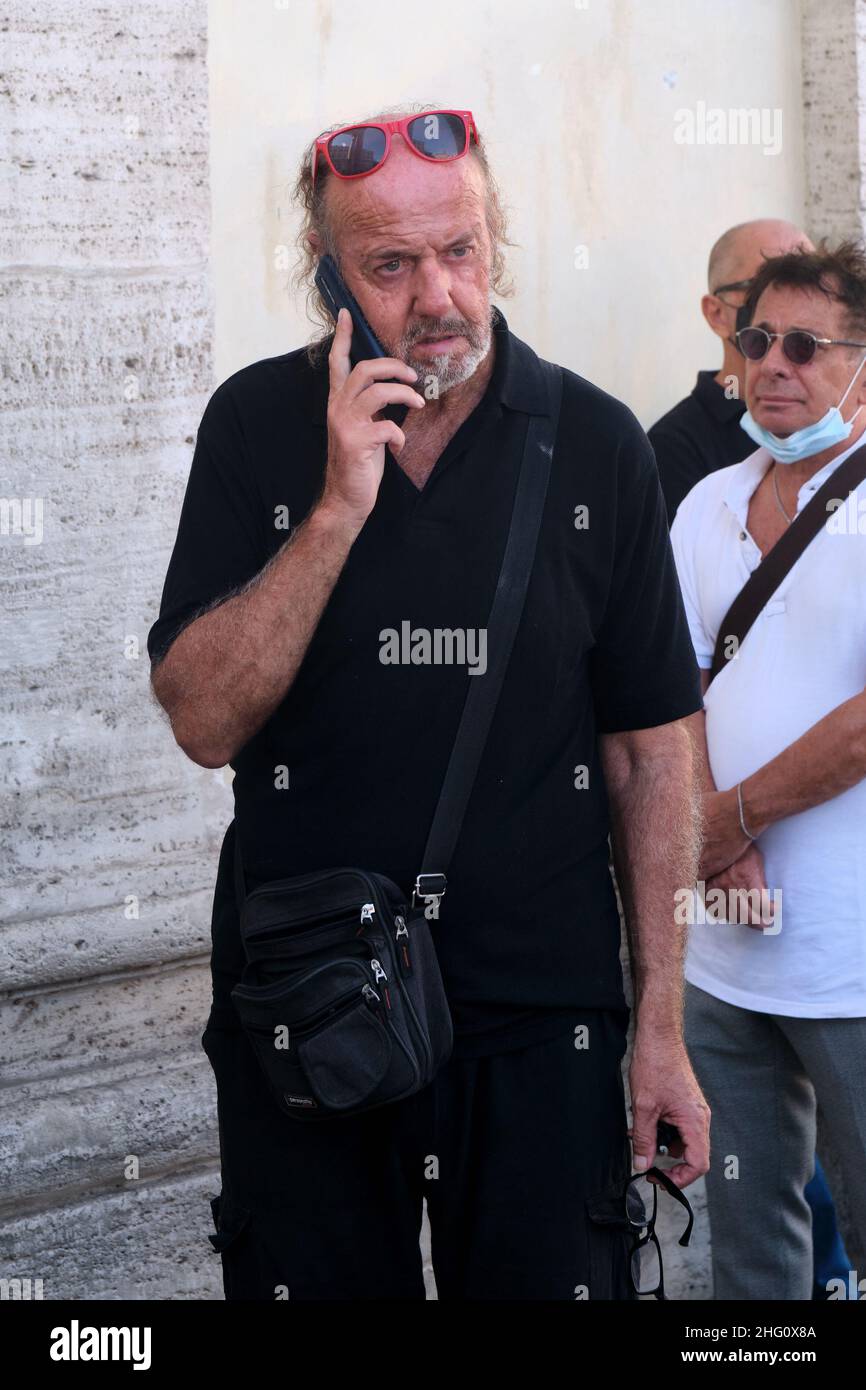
109 835
834 115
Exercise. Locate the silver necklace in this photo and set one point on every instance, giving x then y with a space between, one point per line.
789 519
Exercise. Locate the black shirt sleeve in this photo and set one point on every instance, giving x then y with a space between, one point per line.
680 466
219 545
643 670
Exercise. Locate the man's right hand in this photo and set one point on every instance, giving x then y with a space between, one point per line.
356 441
228 670
747 873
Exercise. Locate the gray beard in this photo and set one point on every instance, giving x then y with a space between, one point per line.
449 369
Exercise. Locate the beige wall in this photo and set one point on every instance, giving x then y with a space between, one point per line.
577 105
110 835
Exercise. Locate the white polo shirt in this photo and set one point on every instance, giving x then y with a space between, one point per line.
805 655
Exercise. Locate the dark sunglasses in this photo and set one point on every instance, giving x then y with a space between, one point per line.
734 285
358 150
798 346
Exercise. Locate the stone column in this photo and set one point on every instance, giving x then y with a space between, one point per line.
108 836
833 34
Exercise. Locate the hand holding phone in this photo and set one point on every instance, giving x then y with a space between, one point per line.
365 344
356 437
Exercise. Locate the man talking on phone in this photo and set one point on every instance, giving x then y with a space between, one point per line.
308 663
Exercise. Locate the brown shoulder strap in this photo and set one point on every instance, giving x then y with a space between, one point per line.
778 562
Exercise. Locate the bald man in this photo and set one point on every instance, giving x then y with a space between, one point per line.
702 433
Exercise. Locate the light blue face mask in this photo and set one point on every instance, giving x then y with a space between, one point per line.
811 439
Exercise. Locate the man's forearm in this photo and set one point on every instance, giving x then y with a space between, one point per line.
227 671
825 761
655 837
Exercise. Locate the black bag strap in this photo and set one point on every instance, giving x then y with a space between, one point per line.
763 582
505 614
481 700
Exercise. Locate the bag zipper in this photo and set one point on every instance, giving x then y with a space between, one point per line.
267 890
401 944
254 993
329 1014
415 1023
381 979
344 918
324 936
420 1036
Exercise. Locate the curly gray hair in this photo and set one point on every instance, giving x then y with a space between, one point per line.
315 219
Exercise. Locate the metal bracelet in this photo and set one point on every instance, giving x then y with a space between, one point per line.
743 827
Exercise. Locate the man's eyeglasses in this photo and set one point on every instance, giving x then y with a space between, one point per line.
744 285
798 346
645 1256
358 150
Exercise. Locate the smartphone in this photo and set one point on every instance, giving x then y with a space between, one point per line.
364 344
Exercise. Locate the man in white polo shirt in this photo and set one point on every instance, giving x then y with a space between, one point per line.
776 1012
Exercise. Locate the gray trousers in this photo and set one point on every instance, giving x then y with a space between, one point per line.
762 1075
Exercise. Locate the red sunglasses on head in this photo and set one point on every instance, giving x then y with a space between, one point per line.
358 150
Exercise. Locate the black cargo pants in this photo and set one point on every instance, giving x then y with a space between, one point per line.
521 1157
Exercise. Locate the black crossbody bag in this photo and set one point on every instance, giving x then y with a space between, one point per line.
341 996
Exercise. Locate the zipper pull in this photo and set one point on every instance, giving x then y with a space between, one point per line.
379 974
401 938
371 996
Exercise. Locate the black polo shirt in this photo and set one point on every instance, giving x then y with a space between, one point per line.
529 929
699 435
